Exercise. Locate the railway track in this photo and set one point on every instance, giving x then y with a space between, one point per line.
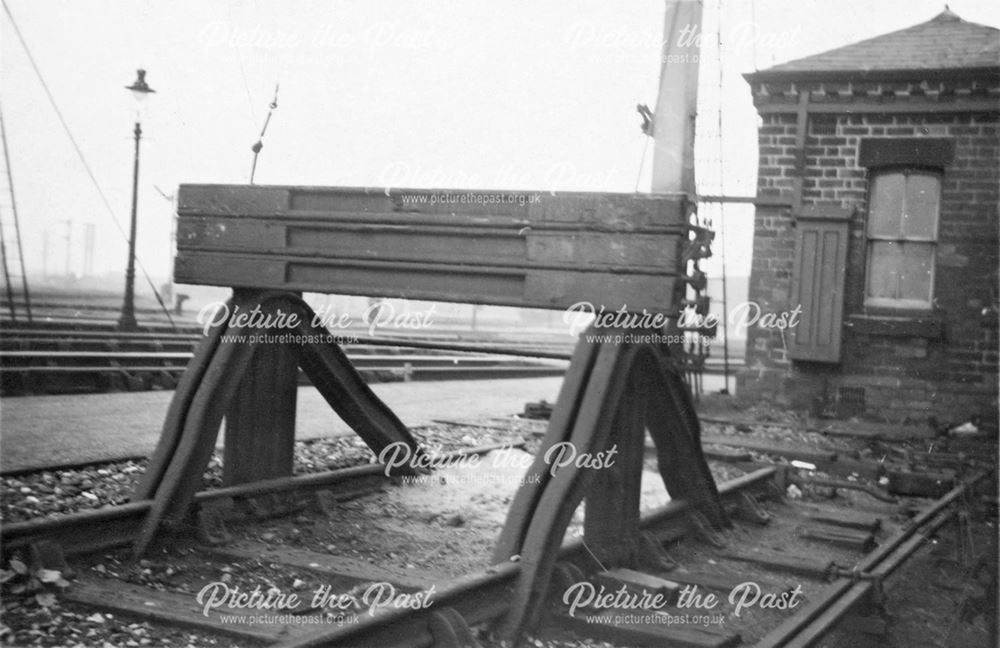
788 572
58 361
32 372
95 359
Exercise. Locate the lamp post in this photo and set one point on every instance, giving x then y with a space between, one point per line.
140 89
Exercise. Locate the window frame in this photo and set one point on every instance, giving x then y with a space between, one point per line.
890 303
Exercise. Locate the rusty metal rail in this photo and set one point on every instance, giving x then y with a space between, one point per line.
103 340
487 596
484 598
115 526
28 372
478 598
814 621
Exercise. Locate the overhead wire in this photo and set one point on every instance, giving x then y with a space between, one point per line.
722 205
257 146
243 74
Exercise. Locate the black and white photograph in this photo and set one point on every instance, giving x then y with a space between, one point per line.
468 324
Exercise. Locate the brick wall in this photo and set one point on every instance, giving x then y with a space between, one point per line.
950 376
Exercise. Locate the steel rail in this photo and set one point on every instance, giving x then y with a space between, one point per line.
485 596
8 356
13 333
92 364
818 629
467 346
800 481
479 598
470 347
113 526
530 350
404 343
816 619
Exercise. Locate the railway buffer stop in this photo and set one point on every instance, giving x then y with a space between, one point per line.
636 252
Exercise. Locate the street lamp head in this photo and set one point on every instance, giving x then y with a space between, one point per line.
139 87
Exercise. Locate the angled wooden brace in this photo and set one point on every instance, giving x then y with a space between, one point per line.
180 404
676 433
560 427
564 491
627 389
193 421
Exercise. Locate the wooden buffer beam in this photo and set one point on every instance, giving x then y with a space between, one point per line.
630 252
537 250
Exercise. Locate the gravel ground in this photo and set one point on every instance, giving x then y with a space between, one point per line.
49 493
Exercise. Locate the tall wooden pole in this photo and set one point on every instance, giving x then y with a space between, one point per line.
677 102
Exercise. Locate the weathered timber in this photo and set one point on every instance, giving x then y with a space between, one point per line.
791 451
807 566
921 484
729 456
192 427
177 412
147 604
722 582
617 252
639 583
848 519
260 423
560 425
340 572
486 595
617 392
862 541
537 249
607 626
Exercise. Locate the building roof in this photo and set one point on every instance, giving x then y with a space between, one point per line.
945 42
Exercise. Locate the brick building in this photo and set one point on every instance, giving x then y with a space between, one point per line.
877 214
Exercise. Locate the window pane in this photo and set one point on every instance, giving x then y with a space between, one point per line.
883 269
922 198
915 272
900 270
887 205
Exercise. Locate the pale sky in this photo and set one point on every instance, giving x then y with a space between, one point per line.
456 94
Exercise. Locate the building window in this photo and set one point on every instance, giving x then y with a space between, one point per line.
902 237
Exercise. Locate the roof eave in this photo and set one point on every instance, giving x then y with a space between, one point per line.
929 74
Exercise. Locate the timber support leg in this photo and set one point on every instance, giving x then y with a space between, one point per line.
260 422
604 410
224 381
